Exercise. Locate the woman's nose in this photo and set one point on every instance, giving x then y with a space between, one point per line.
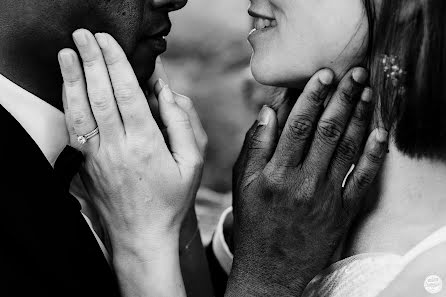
169 5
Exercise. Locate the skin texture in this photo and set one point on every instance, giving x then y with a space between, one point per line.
141 211
289 54
290 208
47 26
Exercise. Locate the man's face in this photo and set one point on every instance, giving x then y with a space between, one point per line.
43 27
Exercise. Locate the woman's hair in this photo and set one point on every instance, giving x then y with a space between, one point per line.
413 107
415 32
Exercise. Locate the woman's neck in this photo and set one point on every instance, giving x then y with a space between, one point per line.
409 205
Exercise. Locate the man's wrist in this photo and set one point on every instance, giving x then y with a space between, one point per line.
250 277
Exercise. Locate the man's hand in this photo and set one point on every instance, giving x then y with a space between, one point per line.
290 207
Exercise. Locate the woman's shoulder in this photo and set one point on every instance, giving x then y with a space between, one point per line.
424 274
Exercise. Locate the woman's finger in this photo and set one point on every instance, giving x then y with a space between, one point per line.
68 122
77 109
349 147
100 91
132 103
334 120
366 170
186 104
299 127
158 73
181 136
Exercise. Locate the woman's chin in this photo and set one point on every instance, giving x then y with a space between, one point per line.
269 76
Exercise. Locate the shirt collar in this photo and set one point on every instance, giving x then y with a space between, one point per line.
43 122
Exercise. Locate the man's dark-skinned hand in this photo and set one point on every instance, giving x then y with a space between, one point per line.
290 207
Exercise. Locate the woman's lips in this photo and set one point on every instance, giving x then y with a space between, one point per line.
262 25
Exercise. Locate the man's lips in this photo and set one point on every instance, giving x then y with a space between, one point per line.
161 33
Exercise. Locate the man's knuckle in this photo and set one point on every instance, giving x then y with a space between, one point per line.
256 142
361 115
362 179
275 179
329 131
374 158
346 96
348 149
300 128
314 96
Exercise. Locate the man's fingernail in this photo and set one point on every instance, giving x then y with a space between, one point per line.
80 38
66 58
326 77
264 116
360 75
168 95
367 95
102 40
382 135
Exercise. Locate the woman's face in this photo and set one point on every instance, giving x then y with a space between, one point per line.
295 38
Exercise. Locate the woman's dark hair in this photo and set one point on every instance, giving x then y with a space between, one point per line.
415 32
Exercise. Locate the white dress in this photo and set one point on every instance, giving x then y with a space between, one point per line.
367 275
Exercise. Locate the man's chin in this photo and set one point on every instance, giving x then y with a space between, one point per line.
143 62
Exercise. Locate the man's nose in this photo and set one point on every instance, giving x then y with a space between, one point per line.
169 5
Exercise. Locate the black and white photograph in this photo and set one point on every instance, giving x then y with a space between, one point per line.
223 148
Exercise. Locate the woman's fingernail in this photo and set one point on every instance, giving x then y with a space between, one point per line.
162 83
102 40
382 135
158 87
264 116
360 75
168 95
66 58
80 38
326 77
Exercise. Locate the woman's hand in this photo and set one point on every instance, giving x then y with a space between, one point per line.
290 206
141 186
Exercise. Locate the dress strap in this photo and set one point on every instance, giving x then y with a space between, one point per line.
436 238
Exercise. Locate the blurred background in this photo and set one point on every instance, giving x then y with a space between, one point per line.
208 60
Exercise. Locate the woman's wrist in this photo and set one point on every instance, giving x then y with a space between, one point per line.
145 245
150 267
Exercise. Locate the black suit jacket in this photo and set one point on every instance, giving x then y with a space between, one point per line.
46 248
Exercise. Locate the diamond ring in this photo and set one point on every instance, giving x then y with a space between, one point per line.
82 139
